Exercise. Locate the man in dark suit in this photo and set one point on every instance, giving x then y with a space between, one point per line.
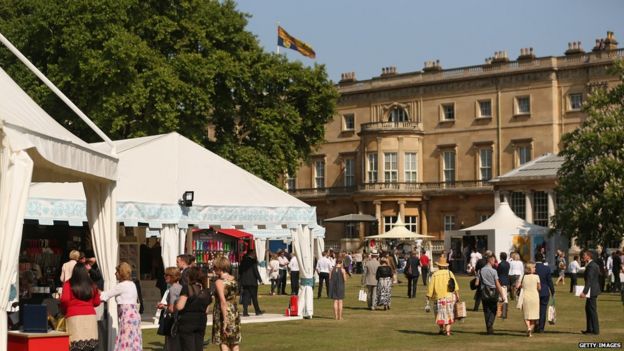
547 289
592 288
249 279
411 273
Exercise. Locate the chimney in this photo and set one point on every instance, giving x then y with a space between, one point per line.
610 42
526 54
388 71
432 66
347 77
574 48
500 57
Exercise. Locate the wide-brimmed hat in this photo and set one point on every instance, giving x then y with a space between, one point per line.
442 262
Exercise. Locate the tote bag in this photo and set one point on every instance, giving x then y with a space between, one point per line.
362 295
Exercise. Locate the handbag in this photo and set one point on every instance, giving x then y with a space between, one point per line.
362 295
552 313
520 299
460 310
165 323
450 287
501 310
473 284
488 294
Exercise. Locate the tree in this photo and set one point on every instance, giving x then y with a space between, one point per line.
591 180
144 67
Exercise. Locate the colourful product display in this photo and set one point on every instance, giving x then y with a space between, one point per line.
204 249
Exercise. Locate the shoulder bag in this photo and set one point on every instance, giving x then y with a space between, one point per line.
488 294
450 287
165 323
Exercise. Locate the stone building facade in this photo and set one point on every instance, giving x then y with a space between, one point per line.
424 145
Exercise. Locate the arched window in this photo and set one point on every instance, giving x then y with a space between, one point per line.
398 114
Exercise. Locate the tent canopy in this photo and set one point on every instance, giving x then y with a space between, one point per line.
155 171
399 231
505 219
354 217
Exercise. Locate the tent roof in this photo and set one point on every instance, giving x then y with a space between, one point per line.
354 217
545 166
505 219
399 231
58 153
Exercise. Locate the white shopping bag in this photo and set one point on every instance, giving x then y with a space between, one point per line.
363 295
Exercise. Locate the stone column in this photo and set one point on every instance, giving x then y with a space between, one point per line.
378 215
528 208
423 217
551 206
402 209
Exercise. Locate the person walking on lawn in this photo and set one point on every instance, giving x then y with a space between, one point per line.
547 289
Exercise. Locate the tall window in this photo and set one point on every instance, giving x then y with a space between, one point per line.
372 168
575 102
350 230
523 105
483 218
389 222
448 112
411 167
390 167
540 208
449 166
485 163
518 204
349 172
348 122
524 154
398 114
319 173
449 222
485 108
411 223
291 183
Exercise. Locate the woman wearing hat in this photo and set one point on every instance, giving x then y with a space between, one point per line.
443 290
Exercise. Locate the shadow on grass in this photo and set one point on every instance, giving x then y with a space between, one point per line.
355 308
420 332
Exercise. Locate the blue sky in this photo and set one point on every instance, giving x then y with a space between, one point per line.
364 35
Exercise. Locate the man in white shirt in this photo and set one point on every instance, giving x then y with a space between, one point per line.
293 266
323 267
475 256
574 268
283 272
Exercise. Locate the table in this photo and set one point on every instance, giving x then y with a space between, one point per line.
50 341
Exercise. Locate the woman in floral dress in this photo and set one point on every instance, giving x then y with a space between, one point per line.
384 284
225 318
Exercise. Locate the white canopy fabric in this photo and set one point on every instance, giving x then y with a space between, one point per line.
399 231
302 242
505 219
35 147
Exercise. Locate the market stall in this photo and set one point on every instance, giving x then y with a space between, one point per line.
207 244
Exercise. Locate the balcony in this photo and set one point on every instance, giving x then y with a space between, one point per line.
318 192
406 126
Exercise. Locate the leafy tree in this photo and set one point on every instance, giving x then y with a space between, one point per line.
144 67
591 179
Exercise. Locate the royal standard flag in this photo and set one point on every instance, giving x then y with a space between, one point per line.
289 42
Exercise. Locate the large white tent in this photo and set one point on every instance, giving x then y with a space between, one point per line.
506 232
35 147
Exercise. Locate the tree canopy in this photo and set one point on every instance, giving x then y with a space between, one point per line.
144 67
591 180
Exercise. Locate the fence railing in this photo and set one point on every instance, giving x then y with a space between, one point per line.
390 186
404 125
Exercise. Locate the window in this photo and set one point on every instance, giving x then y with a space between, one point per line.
398 114
485 109
372 168
319 173
485 164
518 204
410 167
449 166
540 208
448 112
575 102
523 105
351 230
291 183
483 218
349 172
389 222
390 167
348 122
449 222
524 154
411 223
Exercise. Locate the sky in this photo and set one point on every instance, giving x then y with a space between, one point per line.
362 36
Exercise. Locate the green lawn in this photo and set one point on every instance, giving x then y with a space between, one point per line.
408 327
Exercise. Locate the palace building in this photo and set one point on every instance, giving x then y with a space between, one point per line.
424 145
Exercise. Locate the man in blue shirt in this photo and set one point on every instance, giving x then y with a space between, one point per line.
546 291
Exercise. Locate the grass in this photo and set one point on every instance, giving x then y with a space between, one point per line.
408 327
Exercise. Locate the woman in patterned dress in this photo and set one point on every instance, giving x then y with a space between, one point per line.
444 300
126 295
384 284
225 318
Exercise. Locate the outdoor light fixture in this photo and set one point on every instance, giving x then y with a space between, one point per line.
187 199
